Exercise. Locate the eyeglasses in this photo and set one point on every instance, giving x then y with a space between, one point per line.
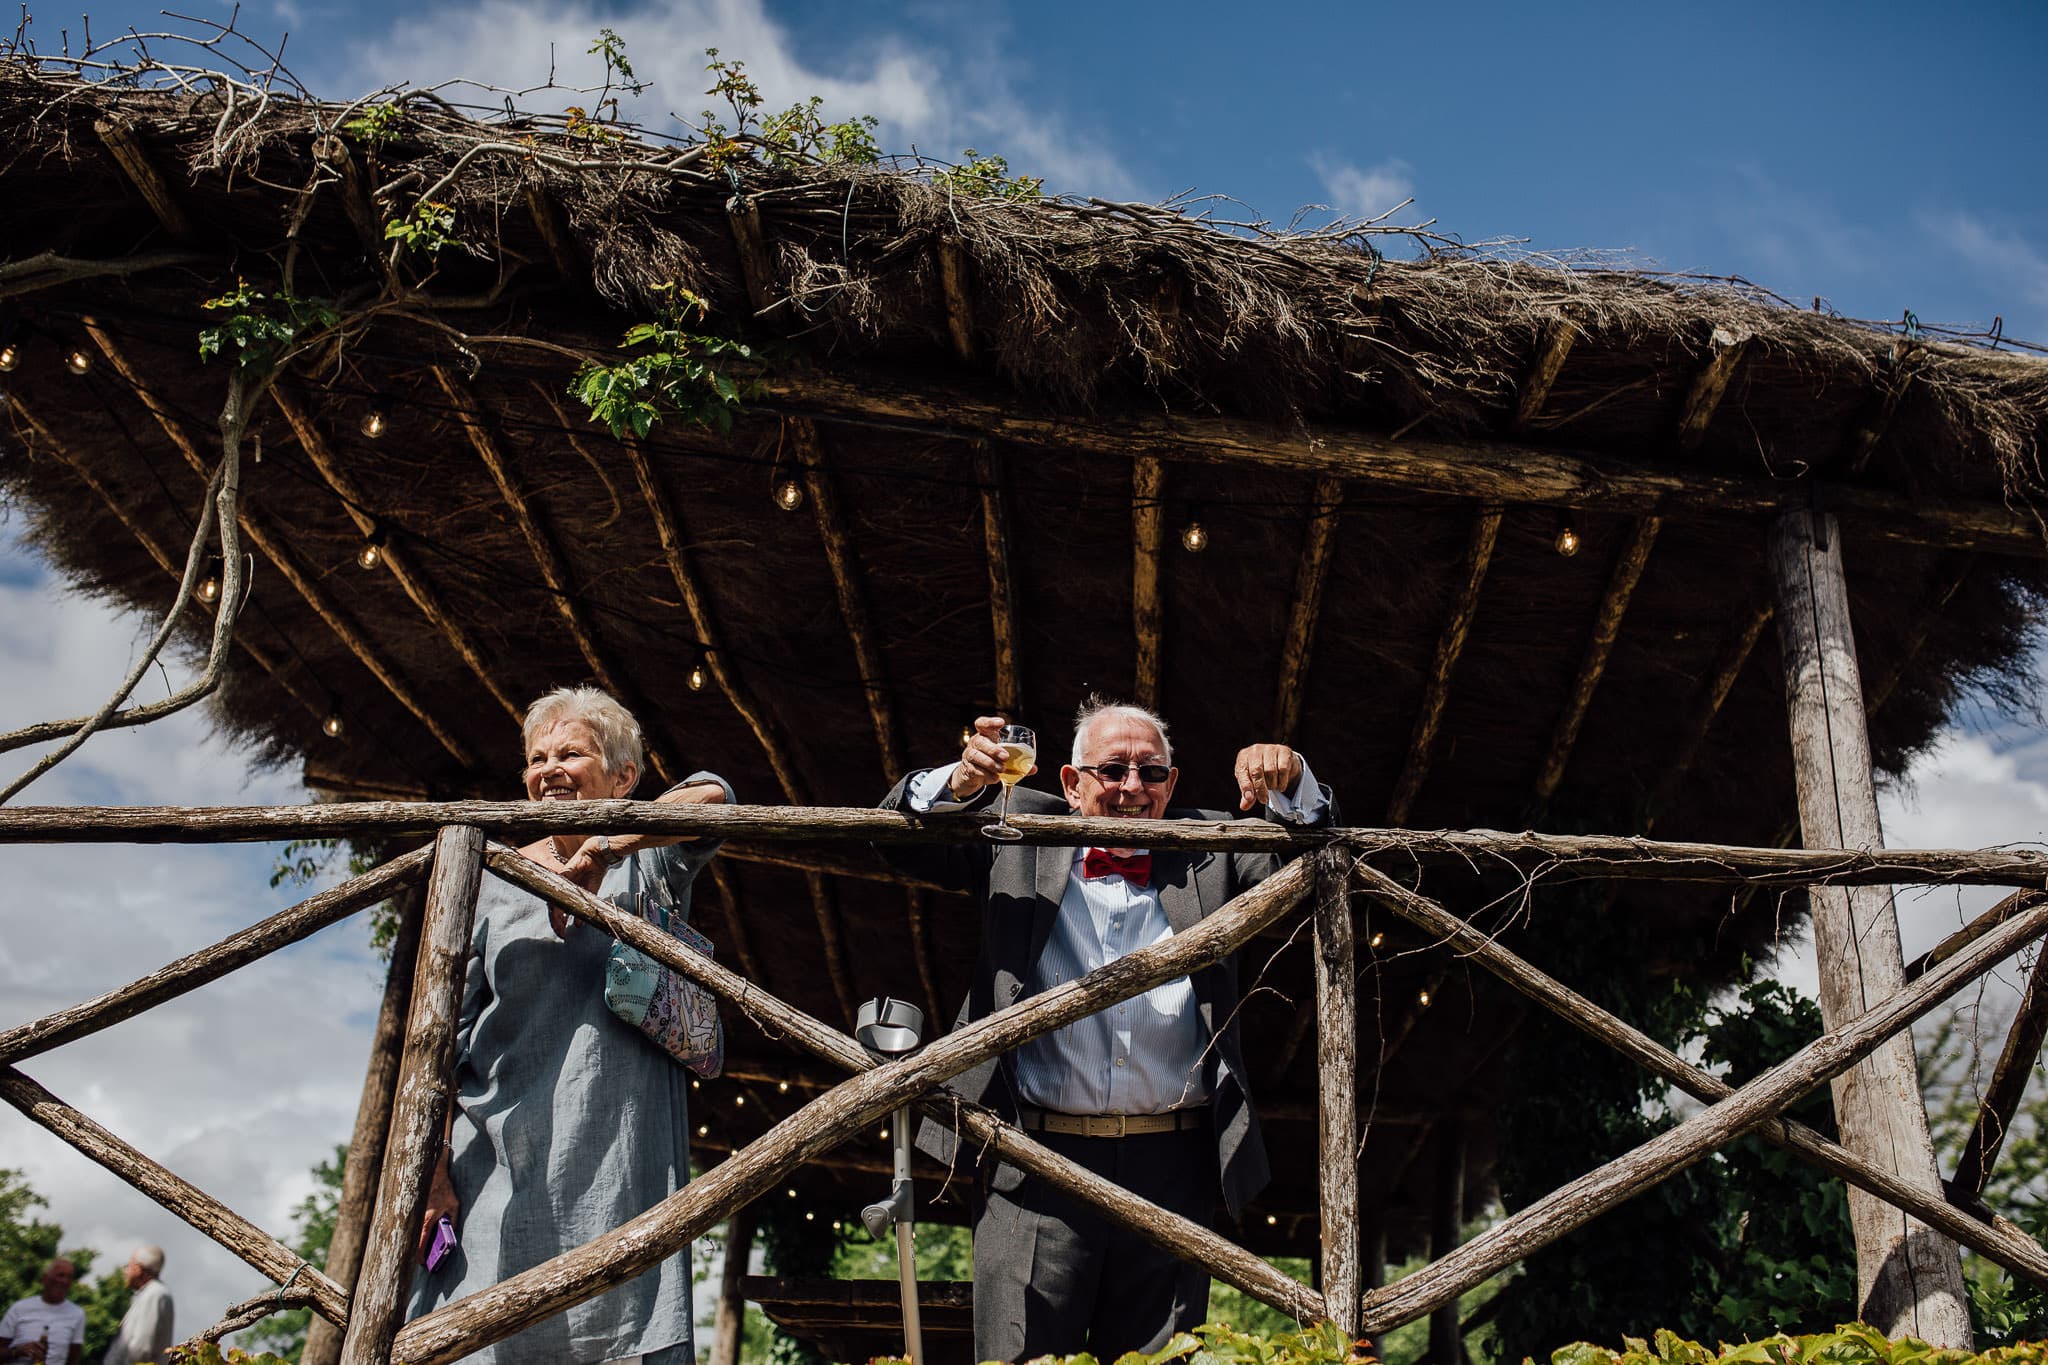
1151 774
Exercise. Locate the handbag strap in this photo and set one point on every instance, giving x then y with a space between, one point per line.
639 902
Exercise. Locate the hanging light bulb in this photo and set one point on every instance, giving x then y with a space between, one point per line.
1422 999
739 1101
209 590
789 495
373 423
697 680
810 1215
1379 938
966 735
1194 538
1567 541
333 725
792 1192
9 357
77 361
371 555
703 1130
782 1086
1272 1220
885 1135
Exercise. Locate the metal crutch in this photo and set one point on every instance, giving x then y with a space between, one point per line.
890 1028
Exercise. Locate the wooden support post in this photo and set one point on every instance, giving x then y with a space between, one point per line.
1621 585
1148 536
563 248
1446 1223
1551 349
959 305
419 1110
1909 1278
1478 554
373 1125
757 269
1317 549
397 558
1337 1084
2008 1083
1724 352
732 1308
1002 589
122 139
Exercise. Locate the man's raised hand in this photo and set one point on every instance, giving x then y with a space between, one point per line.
981 759
1263 769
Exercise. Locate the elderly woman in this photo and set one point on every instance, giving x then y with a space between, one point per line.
567 1121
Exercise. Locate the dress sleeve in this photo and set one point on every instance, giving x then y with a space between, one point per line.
677 865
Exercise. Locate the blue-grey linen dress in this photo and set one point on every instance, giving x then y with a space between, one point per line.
568 1122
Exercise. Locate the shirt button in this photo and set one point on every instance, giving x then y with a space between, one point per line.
1119 1061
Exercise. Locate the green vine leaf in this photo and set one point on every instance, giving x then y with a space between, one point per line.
676 377
429 227
258 327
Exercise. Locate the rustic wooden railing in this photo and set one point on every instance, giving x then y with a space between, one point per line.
363 1290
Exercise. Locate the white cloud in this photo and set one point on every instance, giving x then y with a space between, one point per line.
239 1087
938 99
2016 267
1363 192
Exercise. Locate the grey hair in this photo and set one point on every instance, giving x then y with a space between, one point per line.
619 742
1098 708
150 1258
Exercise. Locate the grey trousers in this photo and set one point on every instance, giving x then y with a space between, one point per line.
1052 1276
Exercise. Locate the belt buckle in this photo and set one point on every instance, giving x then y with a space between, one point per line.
1107 1125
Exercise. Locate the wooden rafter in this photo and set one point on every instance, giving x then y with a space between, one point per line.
1869 428
736 924
756 266
1710 385
363 215
1621 585
853 601
1485 471
1556 343
562 245
1148 528
1310 575
122 139
731 683
1449 645
832 942
547 557
395 556
1712 694
280 672
2008 1083
272 543
959 304
921 953
1002 591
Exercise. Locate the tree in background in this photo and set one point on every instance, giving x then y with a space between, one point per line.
28 1244
284 1334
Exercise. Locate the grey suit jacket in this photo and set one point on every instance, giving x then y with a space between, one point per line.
1019 890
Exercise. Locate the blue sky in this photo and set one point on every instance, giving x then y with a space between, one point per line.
1875 154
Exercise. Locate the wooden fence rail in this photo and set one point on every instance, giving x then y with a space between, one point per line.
1342 863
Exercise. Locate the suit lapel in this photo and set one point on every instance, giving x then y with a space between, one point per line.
1177 874
1055 870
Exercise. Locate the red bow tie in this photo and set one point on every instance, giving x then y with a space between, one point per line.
1135 868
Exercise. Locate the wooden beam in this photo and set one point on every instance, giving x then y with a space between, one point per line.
1310 574
1485 471
125 142
1713 693
853 602
1148 536
959 304
1336 976
395 555
1449 645
1974 930
757 268
802 859
357 202
921 953
272 543
563 248
2008 1083
1552 347
1909 1279
736 924
731 682
422 1095
1621 585
832 943
365 1161
1870 426
554 570
280 673
1724 353
1002 593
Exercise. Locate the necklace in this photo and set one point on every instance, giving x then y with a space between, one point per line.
555 852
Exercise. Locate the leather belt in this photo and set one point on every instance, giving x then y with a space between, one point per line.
1110 1125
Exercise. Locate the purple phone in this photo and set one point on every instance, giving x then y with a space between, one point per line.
443 1243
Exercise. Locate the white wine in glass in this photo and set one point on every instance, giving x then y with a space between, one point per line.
1020 751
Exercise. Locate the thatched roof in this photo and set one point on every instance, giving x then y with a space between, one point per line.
1378 448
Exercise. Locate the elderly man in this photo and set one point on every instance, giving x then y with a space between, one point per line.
146 1327
43 1327
1151 1093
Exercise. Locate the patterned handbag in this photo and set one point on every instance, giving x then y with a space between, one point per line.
678 1015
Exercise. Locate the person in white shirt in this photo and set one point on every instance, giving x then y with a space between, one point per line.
146 1328
45 1327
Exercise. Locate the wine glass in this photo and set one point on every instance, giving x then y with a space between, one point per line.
1020 750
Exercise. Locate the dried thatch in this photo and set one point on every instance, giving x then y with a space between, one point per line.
1267 375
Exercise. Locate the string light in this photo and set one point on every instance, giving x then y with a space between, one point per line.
9 357
1567 541
373 423
1194 538
1272 1220
835 1225
1379 938
1422 999
966 735
696 1085
789 495
703 1130
372 553
885 1135
333 725
77 361
792 1191
810 1215
209 590
782 1086
698 679
739 1101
